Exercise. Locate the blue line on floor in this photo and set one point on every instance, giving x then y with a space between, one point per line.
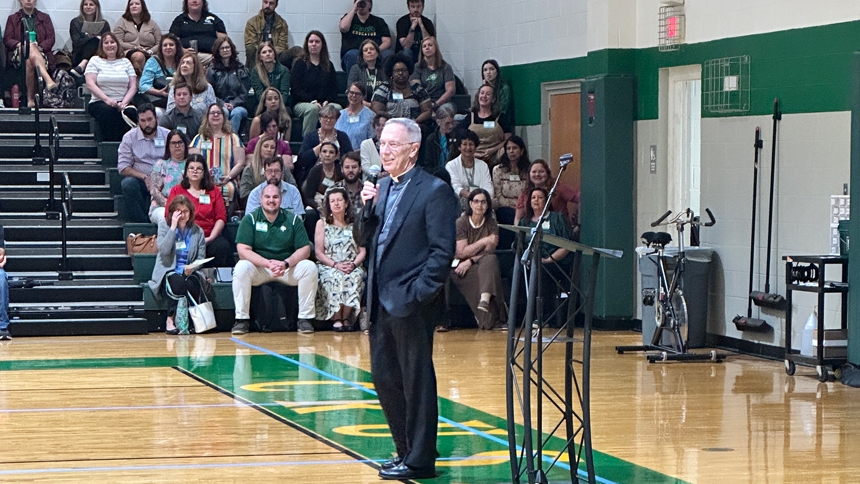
326 374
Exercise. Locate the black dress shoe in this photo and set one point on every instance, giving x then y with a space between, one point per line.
402 472
172 332
392 463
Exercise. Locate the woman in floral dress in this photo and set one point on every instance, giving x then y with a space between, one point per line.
339 261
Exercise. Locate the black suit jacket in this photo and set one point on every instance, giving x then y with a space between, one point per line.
420 248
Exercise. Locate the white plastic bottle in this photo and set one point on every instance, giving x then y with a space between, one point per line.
806 336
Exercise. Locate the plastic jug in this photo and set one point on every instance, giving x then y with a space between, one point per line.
806 336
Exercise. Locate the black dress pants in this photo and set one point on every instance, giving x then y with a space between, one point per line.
401 359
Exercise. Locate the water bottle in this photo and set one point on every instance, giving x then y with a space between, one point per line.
16 96
806 336
32 36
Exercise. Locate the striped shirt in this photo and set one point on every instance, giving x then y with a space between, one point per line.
111 76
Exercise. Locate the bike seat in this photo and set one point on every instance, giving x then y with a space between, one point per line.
656 238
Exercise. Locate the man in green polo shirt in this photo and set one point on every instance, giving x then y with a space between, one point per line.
273 246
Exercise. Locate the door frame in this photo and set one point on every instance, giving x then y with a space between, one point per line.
547 90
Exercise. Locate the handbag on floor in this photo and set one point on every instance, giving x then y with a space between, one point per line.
202 314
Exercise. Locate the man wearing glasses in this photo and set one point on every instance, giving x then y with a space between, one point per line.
410 243
140 148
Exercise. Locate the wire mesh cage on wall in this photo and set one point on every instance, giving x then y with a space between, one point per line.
726 85
671 27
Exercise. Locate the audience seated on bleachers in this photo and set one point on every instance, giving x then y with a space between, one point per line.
182 116
356 120
41 54
488 123
230 81
412 28
199 187
113 84
138 152
267 72
223 150
272 102
267 25
436 75
476 273
85 44
510 178
442 145
265 146
291 197
196 24
161 65
324 175
310 152
192 73
368 72
359 24
565 200
180 242
138 33
370 147
166 174
4 291
400 97
468 172
339 258
313 83
273 245
350 165
504 96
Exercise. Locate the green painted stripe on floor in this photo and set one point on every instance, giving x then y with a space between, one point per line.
326 398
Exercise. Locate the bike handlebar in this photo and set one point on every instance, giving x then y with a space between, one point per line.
661 219
689 220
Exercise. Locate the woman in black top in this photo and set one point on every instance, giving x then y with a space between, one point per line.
368 73
312 81
85 45
230 80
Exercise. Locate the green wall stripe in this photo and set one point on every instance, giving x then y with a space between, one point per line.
808 69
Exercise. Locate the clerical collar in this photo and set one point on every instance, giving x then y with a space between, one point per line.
405 176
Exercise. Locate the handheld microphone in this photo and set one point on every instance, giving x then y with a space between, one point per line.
372 177
564 159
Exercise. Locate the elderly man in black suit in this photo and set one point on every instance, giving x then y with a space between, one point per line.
410 237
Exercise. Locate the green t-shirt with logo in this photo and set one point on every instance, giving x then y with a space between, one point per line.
273 240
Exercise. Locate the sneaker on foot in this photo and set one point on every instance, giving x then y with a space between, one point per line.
305 326
484 306
240 326
4 335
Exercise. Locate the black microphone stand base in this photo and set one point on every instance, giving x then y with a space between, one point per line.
666 353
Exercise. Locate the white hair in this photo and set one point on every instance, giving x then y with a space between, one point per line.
413 131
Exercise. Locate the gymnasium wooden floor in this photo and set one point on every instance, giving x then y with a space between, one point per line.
291 408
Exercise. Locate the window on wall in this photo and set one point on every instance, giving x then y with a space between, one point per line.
685 121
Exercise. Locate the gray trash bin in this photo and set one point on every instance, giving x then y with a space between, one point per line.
695 284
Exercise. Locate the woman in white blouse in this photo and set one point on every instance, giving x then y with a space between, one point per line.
112 82
467 172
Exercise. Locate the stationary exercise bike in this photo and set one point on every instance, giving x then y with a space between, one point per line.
670 307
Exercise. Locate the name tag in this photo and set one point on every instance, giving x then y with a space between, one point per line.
545 225
206 145
455 263
159 142
262 227
397 96
514 178
353 119
180 245
204 199
328 182
489 125
183 129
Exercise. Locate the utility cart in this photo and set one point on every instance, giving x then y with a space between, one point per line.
807 273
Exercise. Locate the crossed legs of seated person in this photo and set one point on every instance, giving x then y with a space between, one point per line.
179 286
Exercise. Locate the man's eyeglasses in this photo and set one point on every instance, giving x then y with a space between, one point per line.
274 172
391 145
